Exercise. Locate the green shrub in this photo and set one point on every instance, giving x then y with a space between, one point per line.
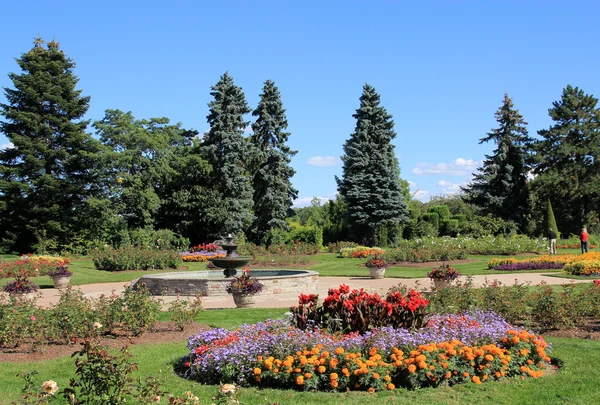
72 316
414 213
442 210
135 258
306 234
460 218
162 239
431 217
336 247
450 227
185 311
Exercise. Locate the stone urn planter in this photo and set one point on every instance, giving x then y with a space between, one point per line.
244 300
441 283
377 272
61 282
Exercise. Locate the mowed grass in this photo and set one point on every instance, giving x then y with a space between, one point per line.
326 264
577 382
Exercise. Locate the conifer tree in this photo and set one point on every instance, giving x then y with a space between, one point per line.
47 177
370 183
273 190
226 149
550 220
567 160
500 187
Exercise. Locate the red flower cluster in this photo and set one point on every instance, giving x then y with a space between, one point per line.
206 247
359 311
597 282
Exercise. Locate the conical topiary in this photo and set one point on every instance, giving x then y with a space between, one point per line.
550 220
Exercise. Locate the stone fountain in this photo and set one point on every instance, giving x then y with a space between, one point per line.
213 283
232 261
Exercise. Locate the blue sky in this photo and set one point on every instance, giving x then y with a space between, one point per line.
441 68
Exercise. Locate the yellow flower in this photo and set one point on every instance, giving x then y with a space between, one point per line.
49 387
228 389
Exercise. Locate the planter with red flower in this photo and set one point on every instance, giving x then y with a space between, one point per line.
443 276
61 276
377 266
244 289
21 288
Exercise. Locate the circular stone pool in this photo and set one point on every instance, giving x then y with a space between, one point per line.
213 283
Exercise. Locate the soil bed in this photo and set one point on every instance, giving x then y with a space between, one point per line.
164 332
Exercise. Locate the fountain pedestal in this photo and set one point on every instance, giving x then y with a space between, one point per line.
232 261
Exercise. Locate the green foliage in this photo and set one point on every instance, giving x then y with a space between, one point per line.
101 378
414 213
442 210
273 191
433 218
500 186
450 227
163 239
306 234
135 258
72 315
370 182
550 221
46 178
185 311
567 161
228 152
134 312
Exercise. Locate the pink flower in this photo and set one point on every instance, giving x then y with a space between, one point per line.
33 318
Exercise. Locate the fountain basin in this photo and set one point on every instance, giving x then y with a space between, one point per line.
212 283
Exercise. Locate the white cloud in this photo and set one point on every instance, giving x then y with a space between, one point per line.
305 201
421 195
449 187
323 161
458 167
9 145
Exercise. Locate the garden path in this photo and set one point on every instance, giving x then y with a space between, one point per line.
50 296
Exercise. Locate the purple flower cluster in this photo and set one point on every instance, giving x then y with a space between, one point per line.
230 356
529 266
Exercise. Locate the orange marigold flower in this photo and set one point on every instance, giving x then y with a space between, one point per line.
476 380
339 350
371 390
334 383
321 369
257 371
376 376
412 368
489 357
420 358
300 380
466 374
422 364
307 375
333 376
390 386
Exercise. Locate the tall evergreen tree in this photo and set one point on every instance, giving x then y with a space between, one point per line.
273 190
567 160
47 177
227 150
370 183
500 187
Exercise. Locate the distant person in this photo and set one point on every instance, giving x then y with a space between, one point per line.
583 238
552 237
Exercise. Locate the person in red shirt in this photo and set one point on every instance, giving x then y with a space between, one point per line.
583 238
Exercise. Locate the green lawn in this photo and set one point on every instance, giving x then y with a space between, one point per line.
326 264
578 382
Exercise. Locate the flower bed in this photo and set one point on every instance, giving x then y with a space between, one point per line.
452 349
583 268
201 256
135 258
31 266
545 262
360 252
